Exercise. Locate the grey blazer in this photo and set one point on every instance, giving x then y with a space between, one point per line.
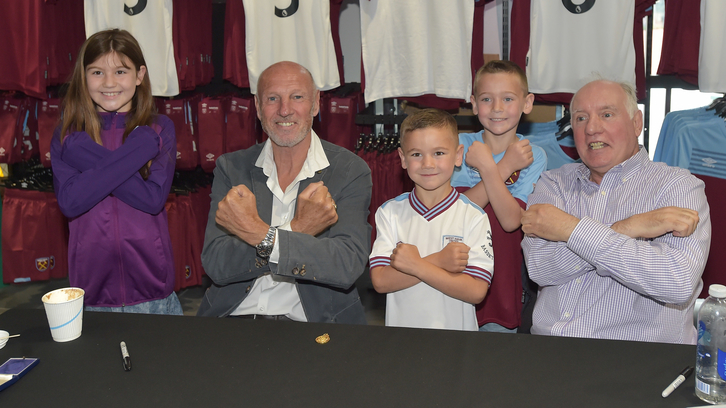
325 267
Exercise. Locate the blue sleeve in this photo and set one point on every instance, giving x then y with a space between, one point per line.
529 176
78 191
462 175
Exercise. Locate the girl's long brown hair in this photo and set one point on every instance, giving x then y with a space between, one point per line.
79 110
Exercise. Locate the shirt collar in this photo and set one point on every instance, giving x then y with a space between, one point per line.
315 160
626 168
431 213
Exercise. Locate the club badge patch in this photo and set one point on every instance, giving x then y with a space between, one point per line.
447 239
512 179
41 264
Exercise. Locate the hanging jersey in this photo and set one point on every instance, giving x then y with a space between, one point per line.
455 219
211 132
416 48
235 58
34 237
48 119
544 135
22 58
297 31
568 42
681 37
694 139
712 53
151 24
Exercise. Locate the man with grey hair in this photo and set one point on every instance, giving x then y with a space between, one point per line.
287 234
618 243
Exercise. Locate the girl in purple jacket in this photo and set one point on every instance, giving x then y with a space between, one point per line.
113 162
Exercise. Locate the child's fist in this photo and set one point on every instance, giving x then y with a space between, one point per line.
479 156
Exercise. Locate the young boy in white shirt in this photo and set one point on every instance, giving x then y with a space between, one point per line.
433 252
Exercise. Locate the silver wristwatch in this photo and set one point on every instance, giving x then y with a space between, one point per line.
264 248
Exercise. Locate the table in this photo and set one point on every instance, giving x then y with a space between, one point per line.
184 361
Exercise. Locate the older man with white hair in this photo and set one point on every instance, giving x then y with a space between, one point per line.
618 243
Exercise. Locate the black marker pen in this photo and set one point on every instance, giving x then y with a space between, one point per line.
125 356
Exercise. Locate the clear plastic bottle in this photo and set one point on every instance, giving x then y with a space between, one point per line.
711 347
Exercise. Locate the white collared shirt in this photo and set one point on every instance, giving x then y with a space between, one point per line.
274 294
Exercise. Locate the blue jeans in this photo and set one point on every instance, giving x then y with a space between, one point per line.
496 328
168 306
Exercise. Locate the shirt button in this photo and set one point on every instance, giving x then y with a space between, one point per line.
262 309
602 192
578 280
567 315
275 283
624 179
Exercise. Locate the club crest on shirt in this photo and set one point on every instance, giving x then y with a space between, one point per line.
447 239
51 262
512 179
41 264
187 272
583 7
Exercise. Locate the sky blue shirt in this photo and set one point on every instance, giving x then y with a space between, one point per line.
466 176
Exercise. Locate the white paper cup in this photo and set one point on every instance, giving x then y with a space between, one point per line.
3 338
64 309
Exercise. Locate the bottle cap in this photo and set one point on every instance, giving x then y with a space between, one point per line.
718 291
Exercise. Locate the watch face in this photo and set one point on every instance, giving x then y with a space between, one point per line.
264 249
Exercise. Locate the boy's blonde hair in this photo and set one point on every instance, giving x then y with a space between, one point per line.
427 118
501 66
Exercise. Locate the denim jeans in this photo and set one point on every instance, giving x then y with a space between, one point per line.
168 306
496 328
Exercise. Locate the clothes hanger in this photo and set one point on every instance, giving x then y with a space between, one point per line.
565 127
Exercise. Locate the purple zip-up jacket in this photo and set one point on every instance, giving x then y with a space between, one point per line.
119 249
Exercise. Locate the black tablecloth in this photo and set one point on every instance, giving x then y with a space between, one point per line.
209 362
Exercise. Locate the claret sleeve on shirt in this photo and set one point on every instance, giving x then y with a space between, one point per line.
481 252
385 240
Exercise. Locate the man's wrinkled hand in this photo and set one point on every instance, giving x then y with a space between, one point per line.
316 210
682 222
237 213
548 222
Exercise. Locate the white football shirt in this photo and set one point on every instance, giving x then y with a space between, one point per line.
150 23
571 39
297 31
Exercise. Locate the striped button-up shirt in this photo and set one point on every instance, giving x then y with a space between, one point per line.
602 284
